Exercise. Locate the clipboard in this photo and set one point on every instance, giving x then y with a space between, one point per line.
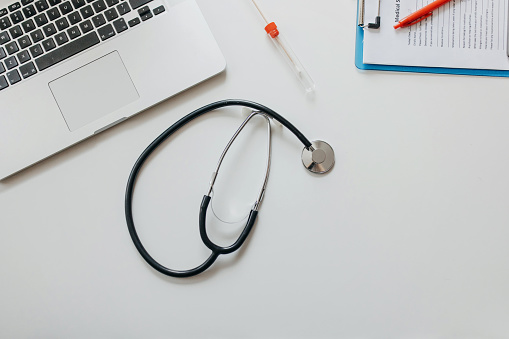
359 57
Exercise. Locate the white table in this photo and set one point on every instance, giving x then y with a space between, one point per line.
407 237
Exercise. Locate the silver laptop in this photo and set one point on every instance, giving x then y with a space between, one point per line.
70 69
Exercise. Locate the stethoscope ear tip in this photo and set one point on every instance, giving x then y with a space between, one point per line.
319 158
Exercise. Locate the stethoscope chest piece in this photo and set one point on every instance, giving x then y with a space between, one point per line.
319 158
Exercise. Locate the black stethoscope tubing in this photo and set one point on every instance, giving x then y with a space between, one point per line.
216 250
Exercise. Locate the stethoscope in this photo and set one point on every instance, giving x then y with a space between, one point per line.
317 157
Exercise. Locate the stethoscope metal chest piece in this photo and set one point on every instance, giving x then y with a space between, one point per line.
318 157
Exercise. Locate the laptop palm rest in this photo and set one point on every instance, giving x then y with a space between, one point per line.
93 91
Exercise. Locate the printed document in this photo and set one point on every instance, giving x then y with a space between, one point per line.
459 34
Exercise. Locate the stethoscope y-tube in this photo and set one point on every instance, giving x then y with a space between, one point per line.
216 250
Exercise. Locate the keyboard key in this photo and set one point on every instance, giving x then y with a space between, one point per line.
41 5
78 3
37 36
41 19
49 29
87 12
2 53
159 10
2 68
111 14
111 2
24 42
144 10
120 25
14 6
123 8
12 47
11 62
67 51
74 18
36 50
65 8
86 26
53 13
5 23
28 26
28 70
16 32
3 82
13 77
17 17
145 13
54 2
4 38
134 22
61 38
106 32
62 24
138 3
29 11
23 57
3 12
99 6
48 44
26 2
98 20
73 32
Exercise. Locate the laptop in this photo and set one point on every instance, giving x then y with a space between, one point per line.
70 69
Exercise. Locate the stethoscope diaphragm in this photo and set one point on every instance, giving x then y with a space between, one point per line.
319 158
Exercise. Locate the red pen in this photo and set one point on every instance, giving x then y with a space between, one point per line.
421 14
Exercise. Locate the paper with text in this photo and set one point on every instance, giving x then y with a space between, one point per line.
460 34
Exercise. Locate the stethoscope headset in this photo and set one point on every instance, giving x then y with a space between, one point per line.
317 157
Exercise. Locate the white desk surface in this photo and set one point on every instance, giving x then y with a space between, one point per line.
406 238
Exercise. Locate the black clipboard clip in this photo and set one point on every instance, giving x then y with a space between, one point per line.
373 25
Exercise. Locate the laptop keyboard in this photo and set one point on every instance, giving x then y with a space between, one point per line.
38 34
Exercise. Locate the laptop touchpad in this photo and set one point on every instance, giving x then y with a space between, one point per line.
93 91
